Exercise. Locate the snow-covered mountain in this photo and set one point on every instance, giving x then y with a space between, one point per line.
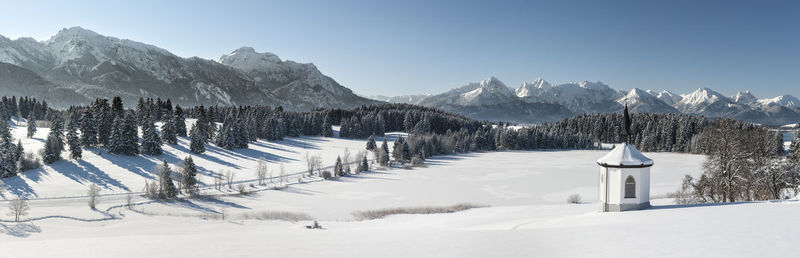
666 96
405 99
580 97
641 101
744 97
533 88
487 92
92 65
703 101
785 100
490 99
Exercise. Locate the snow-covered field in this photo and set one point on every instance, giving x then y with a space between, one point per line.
526 191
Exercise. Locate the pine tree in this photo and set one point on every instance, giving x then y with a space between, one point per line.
31 125
363 166
116 141
399 150
103 119
73 142
151 143
337 168
408 122
198 140
54 144
371 143
241 134
180 121
166 186
168 131
189 176
130 132
8 152
88 132
116 107
383 158
327 130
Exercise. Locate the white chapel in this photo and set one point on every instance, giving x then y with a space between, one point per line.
624 176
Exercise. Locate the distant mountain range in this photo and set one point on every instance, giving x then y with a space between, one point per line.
77 65
539 101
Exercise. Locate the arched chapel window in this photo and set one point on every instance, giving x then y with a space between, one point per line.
630 187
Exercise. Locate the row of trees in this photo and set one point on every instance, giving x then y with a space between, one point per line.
744 162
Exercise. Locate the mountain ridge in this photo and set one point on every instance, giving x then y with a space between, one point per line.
92 65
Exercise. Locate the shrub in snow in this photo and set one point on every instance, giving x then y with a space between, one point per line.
242 188
416 162
326 174
574 198
381 213
29 161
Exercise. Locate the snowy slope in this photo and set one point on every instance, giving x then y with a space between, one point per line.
527 217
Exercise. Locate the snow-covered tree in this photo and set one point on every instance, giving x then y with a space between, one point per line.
168 135
327 130
383 154
363 166
31 125
337 168
88 131
794 150
73 142
130 133
117 138
198 140
54 144
189 176
371 143
8 152
151 143
166 188
261 171
180 121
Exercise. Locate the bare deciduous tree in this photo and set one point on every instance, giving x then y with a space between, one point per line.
261 171
129 200
346 161
313 163
283 180
93 192
229 179
18 208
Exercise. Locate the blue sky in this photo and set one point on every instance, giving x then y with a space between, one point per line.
404 47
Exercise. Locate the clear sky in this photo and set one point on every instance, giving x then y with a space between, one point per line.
405 47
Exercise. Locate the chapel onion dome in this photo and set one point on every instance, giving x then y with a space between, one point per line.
625 156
